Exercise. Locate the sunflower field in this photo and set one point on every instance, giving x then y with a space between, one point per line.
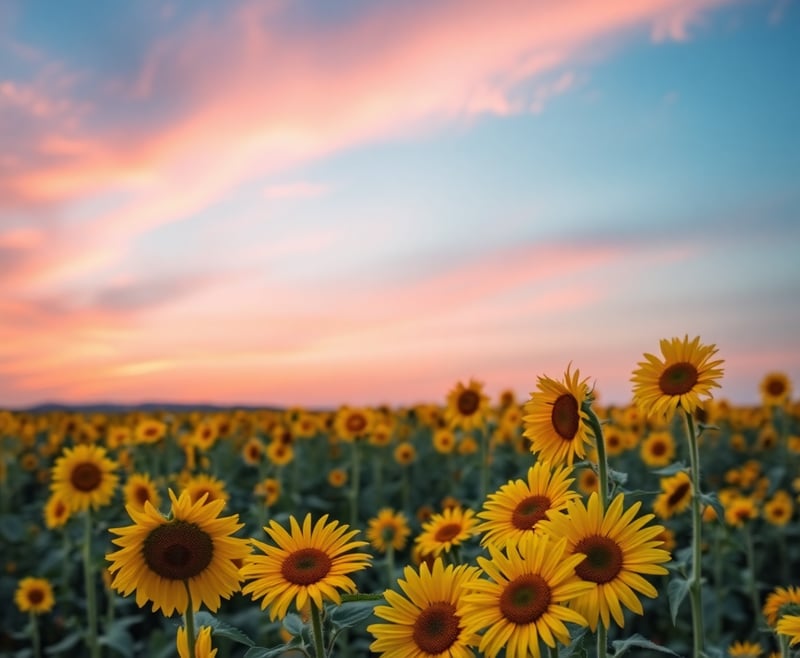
551 526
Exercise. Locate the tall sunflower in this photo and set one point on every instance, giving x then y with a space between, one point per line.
428 621
523 602
517 507
467 405
84 477
388 528
618 548
451 527
555 421
686 374
675 496
193 548
306 564
34 595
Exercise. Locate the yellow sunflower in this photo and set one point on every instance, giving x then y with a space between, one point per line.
428 621
658 449
444 441
739 510
524 601
84 477
388 528
555 421
467 406
306 564
618 549
781 601
779 509
149 430
775 389
588 481
789 625
56 511
337 477
270 489
517 507
161 557
34 595
140 489
405 453
745 650
684 376
252 451
353 423
206 485
675 496
202 646
447 529
280 453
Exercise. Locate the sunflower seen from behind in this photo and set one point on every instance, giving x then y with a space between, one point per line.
308 563
84 477
193 548
426 619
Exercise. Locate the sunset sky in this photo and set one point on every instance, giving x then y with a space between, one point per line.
319 203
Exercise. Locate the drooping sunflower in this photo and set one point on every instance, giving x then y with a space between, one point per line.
776 389
524 600
206 485
467 406
306 564
202 646
388 528
745 650
675 496
686 375
658 449
555 422
84 477
160 556
781 601
789 625
56 511
450 527
140 489
516 508
619 548
427 622
34 595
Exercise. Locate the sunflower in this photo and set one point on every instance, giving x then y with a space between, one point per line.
555 421
206 485
270 489
658 449
307 564
467 406
149 430
202 646
775 389
685 375
781 601
447 529
675 496
522 603
140 489
745 650
161 557
405 453
739 510
779 509
428 621
34 595
337 477
205 434
353 423
789 625
280 453
84 477
388 528
56 511
618 549
444 441
252 451
517 507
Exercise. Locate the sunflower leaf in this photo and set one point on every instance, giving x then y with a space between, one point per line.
677 590
673 468
221 628
713 500
119 639
263 652
351 613
293 623
577 645
638 641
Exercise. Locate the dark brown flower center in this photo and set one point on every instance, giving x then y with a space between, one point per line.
306 566
658 448
447 532
603 559
677 379
530 511
141 495
565 417
35 596
468 402
776 387
525 599
436 628
178 550
356 423
678 493
86 477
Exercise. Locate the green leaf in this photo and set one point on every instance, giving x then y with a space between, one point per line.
221 628
640 642
677 589
676 467
620 477
66 643
263 652
713 500
351 613
118 639
577 647
294 624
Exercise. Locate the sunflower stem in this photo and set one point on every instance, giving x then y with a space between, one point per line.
390 565
355 483
316 625
406 490
602 640
751 567
361 596
484 441
553 651
35 641
188 620
91 592
783 640
602 460
695 580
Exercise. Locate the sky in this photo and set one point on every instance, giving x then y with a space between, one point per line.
362 202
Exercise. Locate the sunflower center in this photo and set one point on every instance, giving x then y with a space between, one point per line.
178 550
141 495
603 559
86 476
677 495
525 599
306 566
447 532
776 387
678 379
530 511
35 596
356 423
658 449
565 417
436 628
468 402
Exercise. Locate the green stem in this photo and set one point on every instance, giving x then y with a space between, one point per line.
91 592
406 489
751 567
390 565
784 643
602 640
602 460
37 650
316 625
377 476
484 440
188 620
553 651
355 483
718 590
361 596
695 580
